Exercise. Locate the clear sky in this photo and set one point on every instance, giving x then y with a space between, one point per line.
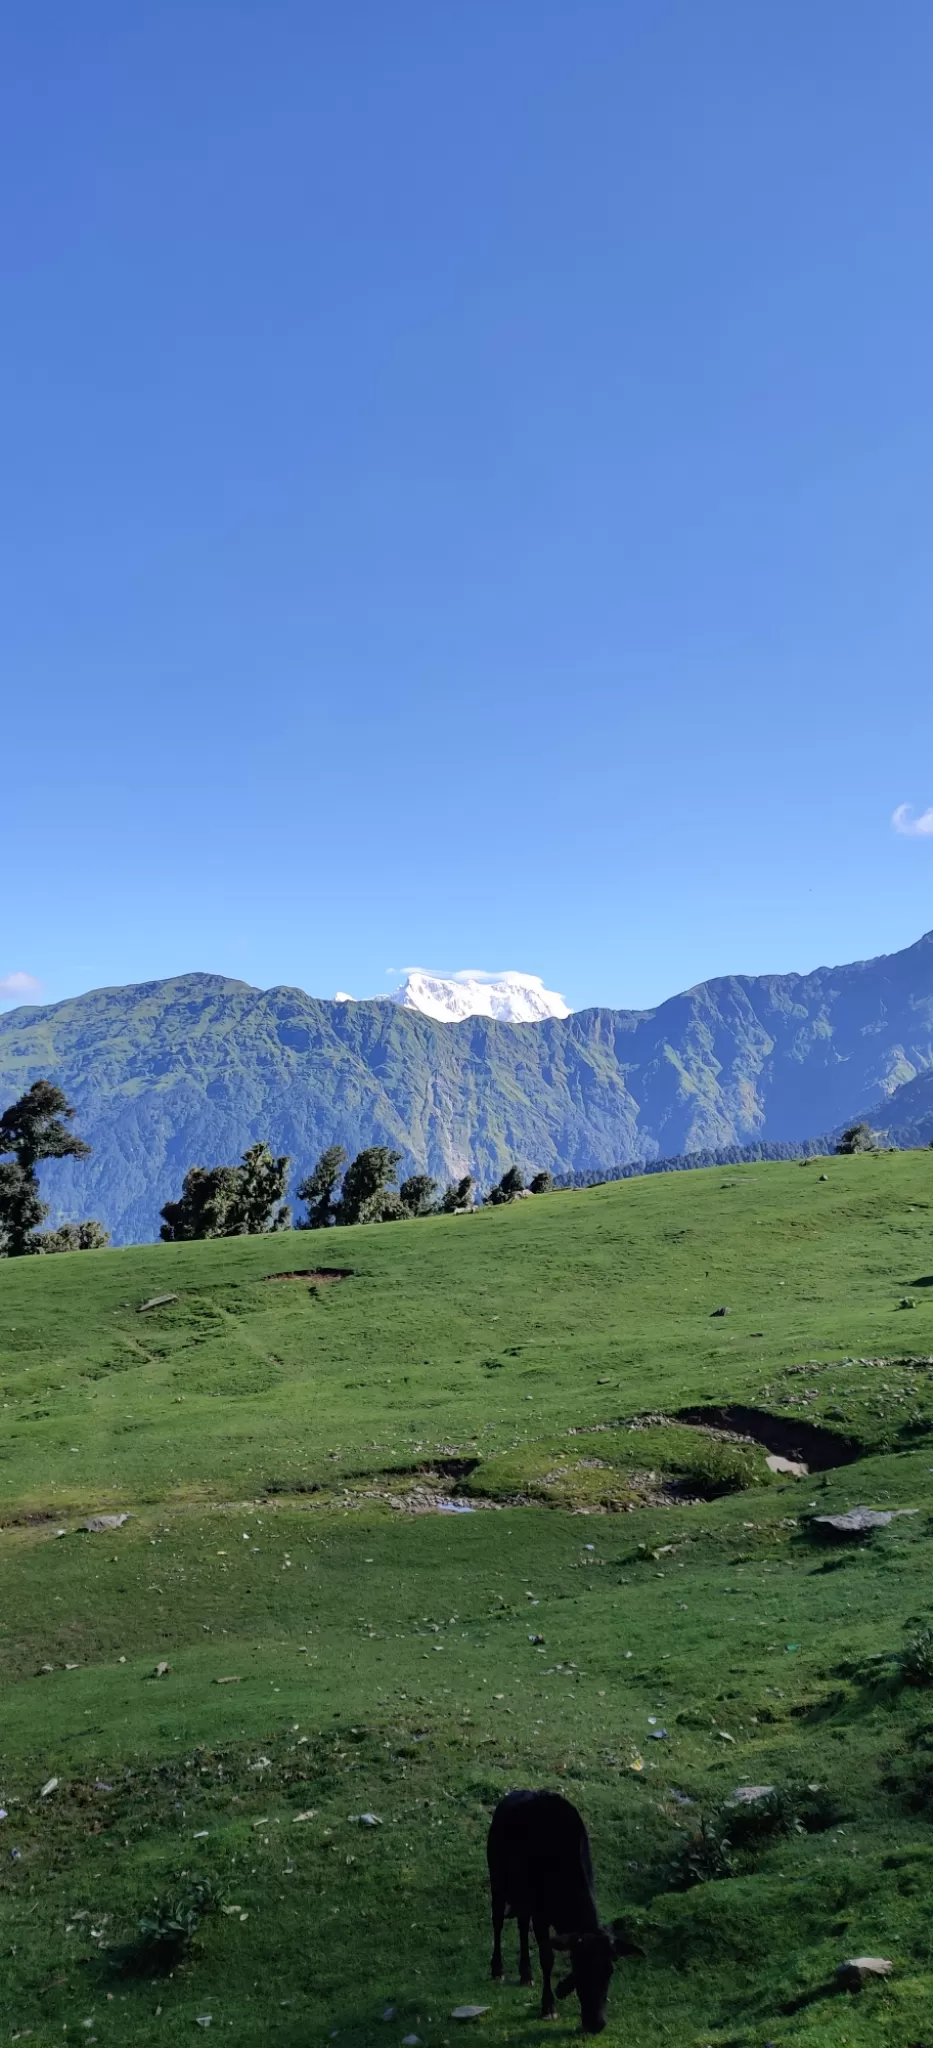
466 488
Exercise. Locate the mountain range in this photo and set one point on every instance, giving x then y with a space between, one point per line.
190 1070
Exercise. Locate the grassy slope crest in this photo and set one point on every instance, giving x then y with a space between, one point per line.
634 1611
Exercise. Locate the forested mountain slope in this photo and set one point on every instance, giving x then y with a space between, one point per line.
194 1068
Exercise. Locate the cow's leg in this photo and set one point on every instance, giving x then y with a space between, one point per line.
498 1916
546 1954
525 1975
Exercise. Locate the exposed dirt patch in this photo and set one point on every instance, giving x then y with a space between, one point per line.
427 1470
320 1274
422 1489
820 1449
33 1518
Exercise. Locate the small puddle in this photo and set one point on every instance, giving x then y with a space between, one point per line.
798 1442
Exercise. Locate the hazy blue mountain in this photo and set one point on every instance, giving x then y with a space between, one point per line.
906 1117
193 1069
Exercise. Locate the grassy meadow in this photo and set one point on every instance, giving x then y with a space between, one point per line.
634 1611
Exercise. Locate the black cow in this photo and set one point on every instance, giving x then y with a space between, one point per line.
540 1872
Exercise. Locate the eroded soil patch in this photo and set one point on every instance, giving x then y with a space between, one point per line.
807 1442
320 1274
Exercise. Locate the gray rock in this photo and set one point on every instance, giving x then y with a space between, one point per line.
859 1521
860 1970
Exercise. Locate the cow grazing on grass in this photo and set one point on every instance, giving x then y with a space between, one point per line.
540 1872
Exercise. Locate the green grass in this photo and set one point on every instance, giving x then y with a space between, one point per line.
267 1439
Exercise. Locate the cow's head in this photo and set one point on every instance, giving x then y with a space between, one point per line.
592 1957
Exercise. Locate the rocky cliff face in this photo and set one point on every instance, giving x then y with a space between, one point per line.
169 1073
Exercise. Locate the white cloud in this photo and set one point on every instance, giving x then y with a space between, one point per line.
903 821
467 974
18 987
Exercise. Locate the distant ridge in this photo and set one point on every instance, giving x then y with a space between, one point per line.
195 1067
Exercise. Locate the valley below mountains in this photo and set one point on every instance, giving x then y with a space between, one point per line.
192 1069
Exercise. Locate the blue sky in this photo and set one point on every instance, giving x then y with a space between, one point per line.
466 489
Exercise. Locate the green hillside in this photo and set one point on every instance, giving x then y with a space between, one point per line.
190 1070
636 1610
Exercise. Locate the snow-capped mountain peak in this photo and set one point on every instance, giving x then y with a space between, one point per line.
512 998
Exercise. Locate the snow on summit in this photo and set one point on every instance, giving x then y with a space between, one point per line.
513 998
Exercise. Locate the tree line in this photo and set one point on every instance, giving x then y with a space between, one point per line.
222 1201
245 1200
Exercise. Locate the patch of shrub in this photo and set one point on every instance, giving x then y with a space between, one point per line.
917 1660
166 1931
704 1857
723 1842
713 1468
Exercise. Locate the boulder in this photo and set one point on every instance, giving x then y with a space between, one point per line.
861 1970
857 1521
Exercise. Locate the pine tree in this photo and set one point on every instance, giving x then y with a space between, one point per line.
32 1129
230 1201
317 1188
368 1194
417 1194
